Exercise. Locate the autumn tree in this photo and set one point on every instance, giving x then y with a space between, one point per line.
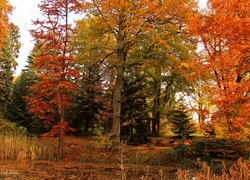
5 10
125 21
8 63
223 31
52 93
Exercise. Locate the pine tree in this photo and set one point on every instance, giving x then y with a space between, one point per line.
17 109
182 125
135 111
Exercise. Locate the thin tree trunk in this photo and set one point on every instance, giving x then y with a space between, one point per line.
61 132
157 104
154 125
60 146
86 125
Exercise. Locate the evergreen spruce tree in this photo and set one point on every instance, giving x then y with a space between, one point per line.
86 103
135 111
82 113
17 108
182 126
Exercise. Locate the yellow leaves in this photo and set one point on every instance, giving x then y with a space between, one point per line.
185 65
5 10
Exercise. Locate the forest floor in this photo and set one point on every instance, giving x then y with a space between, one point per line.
83 161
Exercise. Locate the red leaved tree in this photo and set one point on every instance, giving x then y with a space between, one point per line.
224 32
52 93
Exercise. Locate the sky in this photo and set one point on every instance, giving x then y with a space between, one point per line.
24 12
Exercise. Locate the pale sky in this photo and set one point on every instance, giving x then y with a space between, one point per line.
24 12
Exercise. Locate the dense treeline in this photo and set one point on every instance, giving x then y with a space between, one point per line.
128 67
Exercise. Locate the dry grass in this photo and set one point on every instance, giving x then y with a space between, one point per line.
18 146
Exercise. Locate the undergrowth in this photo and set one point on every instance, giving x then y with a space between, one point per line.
103 141
239 170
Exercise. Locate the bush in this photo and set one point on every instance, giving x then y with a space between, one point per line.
206 150
103 141
7 127
218 148
179 154
181 150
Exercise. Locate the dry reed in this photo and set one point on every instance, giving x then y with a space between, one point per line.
18 146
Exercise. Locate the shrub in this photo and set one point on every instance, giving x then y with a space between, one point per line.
103 141
179 154
218 148
7 127
207 150
181 150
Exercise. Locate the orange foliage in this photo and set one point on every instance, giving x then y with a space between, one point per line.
224 33
53 65
56 129
5 10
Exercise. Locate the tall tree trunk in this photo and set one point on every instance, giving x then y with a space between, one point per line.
116 126
117 96
86 125
108 126
153 126
157 104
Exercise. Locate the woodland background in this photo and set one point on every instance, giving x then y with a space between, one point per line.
134 69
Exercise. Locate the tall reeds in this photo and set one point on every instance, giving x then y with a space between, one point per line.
19 146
